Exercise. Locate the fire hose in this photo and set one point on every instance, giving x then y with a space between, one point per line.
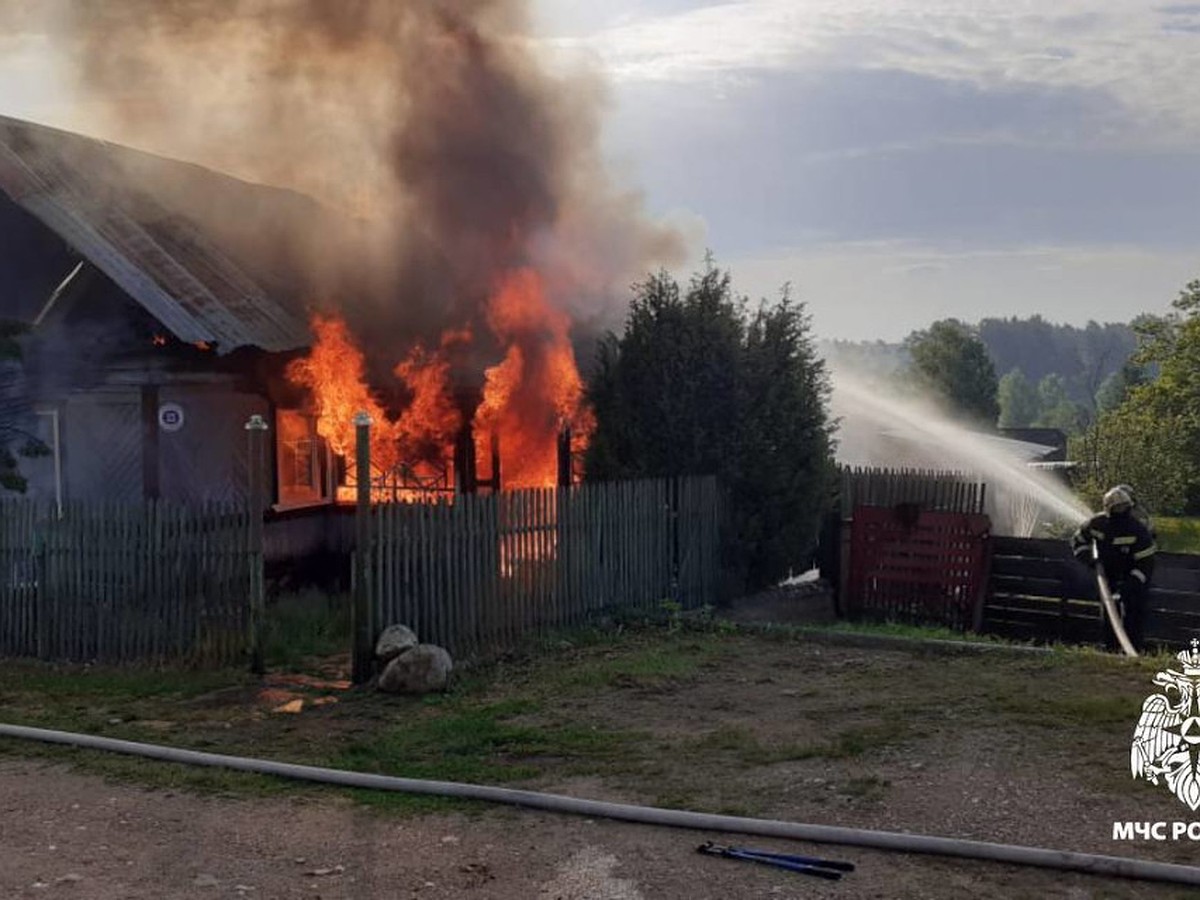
1110 605
1063 860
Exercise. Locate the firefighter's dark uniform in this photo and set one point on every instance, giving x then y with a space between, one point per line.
1127 551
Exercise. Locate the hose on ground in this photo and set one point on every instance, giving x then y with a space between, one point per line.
1087 863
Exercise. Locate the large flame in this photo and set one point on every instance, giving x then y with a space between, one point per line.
536 390
335 372
429 424
529 397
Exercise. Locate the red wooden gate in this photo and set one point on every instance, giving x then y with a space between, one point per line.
919 566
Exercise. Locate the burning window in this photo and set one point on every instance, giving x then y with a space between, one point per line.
301 459
301 453
526 399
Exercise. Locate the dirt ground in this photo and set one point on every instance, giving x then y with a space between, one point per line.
1020 749
69 835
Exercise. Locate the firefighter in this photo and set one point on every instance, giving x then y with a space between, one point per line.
1140 512
1126 549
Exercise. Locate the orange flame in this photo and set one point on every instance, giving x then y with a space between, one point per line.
536 390
431 421
335 372
528 397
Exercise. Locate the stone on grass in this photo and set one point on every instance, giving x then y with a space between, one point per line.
395 640
424 669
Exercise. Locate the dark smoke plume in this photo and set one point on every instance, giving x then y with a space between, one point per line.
441 149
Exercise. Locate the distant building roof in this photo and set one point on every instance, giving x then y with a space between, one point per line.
872 444
87 191
1025 450
1054 439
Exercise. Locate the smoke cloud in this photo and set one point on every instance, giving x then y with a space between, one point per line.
443 153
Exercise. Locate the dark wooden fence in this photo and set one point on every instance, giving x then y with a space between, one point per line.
125 584
485 572
1032 589
1038 592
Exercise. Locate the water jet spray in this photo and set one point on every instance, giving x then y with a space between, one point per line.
875 414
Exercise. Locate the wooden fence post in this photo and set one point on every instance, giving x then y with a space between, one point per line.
256 430
360 613
565 473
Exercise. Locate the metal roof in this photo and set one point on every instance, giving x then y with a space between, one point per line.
78 187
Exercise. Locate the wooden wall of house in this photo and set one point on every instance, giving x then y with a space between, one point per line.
181 442
101 446
208 458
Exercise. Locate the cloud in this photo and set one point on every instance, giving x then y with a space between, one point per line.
917 269
1115 47
853 155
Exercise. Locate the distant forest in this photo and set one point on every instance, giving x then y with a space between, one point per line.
1083 357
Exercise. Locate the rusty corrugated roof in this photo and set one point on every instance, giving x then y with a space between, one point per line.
79 188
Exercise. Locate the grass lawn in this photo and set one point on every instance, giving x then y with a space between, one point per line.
1178 535
709 719
1027 748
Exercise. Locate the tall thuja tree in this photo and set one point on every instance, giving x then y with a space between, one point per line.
666 391
698 386
785 461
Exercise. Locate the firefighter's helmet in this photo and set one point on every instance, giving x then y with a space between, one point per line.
1118 500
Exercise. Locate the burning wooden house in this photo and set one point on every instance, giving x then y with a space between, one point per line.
154 338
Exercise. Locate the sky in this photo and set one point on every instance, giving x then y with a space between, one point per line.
901 161
894 161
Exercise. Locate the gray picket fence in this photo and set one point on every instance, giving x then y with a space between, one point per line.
946 491
484 573
165 583
115 584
